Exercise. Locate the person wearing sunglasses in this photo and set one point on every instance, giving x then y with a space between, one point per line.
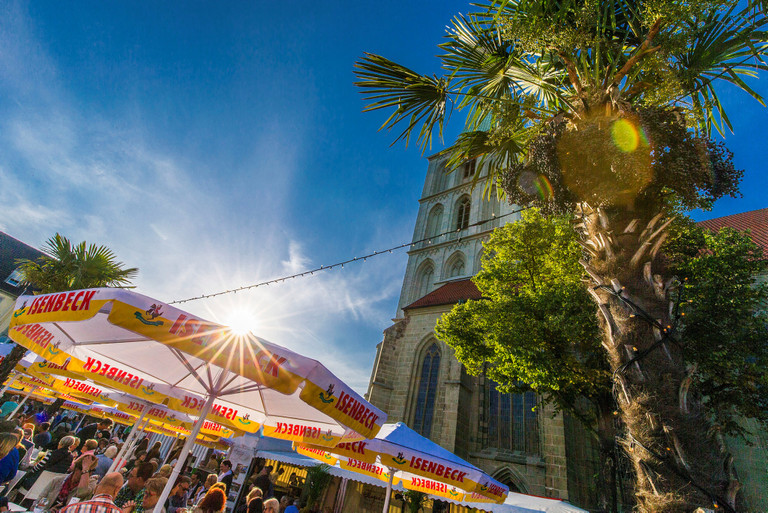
178 497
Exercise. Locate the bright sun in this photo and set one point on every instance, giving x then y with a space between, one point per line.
242 322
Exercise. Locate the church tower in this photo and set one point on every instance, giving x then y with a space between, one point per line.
417 380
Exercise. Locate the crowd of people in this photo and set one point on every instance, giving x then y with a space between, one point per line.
261 497
80 461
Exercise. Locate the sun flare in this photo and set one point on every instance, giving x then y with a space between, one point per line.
242 322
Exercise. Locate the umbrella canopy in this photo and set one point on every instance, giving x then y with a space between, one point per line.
34 393
420 463
121 401
127 340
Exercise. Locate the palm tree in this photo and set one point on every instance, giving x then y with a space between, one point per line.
603 109
68 267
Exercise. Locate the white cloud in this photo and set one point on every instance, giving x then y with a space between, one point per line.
71 171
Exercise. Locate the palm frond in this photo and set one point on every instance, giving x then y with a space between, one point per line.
726 48
70 267
419 101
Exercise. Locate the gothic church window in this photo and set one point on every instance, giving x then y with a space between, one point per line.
491 207
462 213
439 179
425 277
469 169
512 421
434 220
455 266
427 391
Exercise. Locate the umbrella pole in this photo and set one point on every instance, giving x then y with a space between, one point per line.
128 442
80 423
389 490
170 449
11 377
10 415
184 451
340 496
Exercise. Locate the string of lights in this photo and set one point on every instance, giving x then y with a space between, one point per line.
357 259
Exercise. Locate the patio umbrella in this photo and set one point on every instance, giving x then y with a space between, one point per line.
127 403
120 336
124 408
139 388
420 463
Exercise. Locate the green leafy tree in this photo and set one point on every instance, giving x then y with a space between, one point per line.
68 267
415 500
723 316
318 479
602 110
536 328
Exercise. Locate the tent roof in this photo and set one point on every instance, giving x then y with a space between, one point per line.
159 353
400 434
280 450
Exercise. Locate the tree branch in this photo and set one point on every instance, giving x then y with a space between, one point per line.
573 75
641 53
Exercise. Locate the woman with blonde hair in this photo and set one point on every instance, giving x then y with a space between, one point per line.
154 452
7 442
209 482
165 471
271 506
73 448
254 501
88 455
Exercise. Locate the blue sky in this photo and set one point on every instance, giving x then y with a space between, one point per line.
219 144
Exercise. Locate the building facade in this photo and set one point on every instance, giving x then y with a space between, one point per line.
10 279
417 380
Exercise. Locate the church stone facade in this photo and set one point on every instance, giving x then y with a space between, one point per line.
417 380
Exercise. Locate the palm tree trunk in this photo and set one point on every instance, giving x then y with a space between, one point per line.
10 361
678 466
607 499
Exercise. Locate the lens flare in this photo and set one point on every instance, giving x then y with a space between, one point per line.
626 135
535 185
544 188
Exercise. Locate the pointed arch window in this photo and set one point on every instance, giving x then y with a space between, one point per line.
427 391
457 269
425 279
462 213
455 266
440 178
434 221
469 169
491 206
512 421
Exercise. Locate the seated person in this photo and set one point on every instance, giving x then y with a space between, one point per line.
58 461
9 463
147 500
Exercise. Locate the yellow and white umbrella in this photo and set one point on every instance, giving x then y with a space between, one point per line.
124 402
120 337
419 463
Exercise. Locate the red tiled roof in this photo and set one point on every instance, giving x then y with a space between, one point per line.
756 221
450 293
